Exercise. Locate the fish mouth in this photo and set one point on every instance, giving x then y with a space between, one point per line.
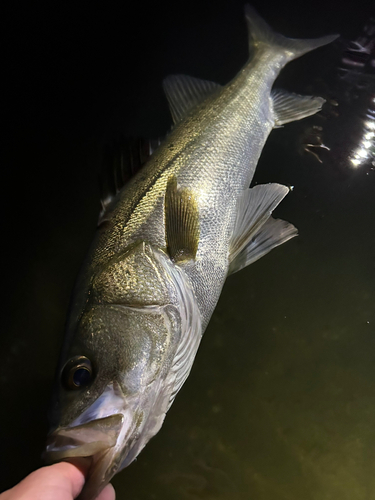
84 440
99 441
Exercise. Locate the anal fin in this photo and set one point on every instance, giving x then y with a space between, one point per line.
256 232
273 233
181 222
288 107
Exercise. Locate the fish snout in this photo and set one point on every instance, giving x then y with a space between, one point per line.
83 440
92 446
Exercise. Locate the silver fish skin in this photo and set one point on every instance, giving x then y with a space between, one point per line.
164 247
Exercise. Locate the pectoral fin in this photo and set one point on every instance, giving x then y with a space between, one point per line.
288 107
181 222
256 233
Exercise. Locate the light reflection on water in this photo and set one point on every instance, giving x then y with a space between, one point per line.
358 71
366 149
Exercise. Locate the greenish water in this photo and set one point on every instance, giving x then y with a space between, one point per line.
280 402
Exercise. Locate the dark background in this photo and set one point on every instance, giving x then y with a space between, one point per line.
280 403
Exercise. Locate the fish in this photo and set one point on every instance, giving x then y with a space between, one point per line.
166 242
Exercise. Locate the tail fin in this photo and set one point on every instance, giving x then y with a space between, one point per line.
262 34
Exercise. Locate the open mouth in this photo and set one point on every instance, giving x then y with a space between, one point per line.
84 440
100 437
98 440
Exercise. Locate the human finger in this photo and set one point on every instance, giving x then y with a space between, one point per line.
62 481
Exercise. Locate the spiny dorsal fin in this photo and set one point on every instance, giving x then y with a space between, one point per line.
120 162
185 92
254 208
273 233
288 106
181 222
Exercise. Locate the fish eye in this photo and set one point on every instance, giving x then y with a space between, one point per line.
77 373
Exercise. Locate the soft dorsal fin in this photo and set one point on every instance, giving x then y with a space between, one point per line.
181 222
288 106
185 92
254 208
120 162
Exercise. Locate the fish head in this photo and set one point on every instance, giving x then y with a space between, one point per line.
117 373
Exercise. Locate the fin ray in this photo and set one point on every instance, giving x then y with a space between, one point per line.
261 33
254 208
289 107
181 222
273 233
185 93
120 162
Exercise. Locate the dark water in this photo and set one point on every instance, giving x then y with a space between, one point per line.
280 403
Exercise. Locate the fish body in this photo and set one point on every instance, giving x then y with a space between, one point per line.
164 247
